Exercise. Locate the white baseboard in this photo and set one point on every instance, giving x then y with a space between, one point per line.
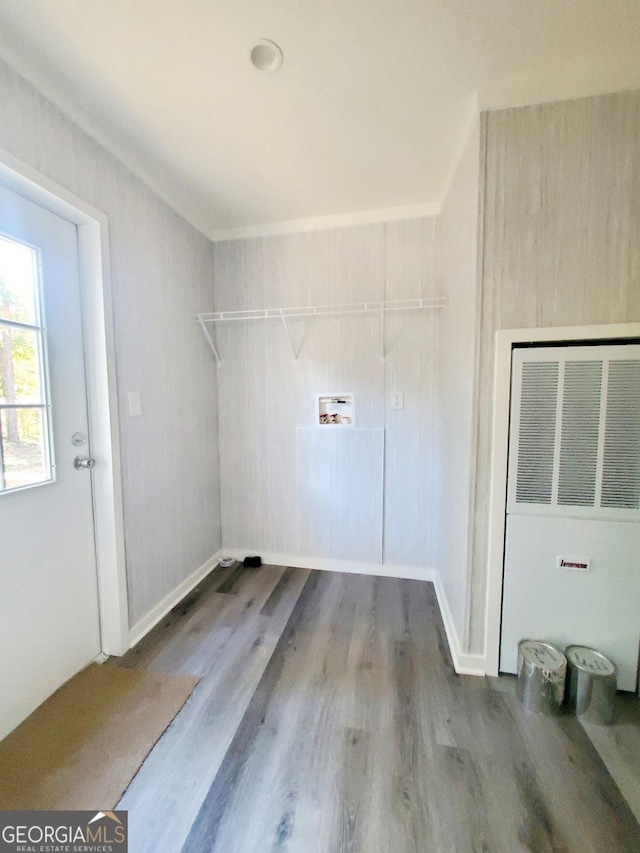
471 664
465 664
350 566
169 601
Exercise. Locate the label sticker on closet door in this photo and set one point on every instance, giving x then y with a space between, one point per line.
574 563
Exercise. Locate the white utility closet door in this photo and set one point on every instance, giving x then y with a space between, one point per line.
49 619
572 551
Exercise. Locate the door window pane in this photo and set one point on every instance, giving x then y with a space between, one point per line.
25 441
18 282
24 451
20 373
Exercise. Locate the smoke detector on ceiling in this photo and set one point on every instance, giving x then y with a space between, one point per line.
266 55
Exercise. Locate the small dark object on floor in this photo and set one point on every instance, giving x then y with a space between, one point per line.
252 562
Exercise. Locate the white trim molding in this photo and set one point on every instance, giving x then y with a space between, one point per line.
325 223
353 567
97 315
141 628
464 664
504 343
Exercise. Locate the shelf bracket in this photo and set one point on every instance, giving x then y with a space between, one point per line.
296 345
209 339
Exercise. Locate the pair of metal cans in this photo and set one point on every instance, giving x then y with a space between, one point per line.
581 679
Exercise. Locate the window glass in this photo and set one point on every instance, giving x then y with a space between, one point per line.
20 370
18 282
24 455
25 442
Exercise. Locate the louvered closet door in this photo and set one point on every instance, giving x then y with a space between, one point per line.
574 500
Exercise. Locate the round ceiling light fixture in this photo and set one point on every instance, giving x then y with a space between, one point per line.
266 55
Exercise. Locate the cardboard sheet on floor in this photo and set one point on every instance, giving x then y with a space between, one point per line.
81 748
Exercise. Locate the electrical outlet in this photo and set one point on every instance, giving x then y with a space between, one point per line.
397 400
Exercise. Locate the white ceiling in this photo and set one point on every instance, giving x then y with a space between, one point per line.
363 122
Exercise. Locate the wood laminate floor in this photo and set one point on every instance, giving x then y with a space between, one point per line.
329 718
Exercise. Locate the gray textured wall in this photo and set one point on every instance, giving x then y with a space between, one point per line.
560 218
286 487
161 274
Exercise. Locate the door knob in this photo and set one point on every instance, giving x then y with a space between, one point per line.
83 462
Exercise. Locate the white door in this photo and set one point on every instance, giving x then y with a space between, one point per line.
572 549
49 617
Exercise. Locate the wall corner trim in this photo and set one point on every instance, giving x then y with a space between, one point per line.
464 664
144 625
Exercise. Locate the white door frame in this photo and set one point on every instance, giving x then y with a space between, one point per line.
97 315
504 342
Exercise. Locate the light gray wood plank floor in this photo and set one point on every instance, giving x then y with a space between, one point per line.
329 718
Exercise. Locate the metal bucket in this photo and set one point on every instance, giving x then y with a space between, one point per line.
542 670
592 683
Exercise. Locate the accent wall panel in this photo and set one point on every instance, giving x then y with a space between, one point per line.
257 417
410 367
411 450
340 493
560 225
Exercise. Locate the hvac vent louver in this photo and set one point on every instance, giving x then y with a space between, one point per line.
621 463
539 395
580 431
576 413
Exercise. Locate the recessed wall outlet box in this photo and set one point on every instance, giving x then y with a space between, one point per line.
397 400
335 410
135 404
575 564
